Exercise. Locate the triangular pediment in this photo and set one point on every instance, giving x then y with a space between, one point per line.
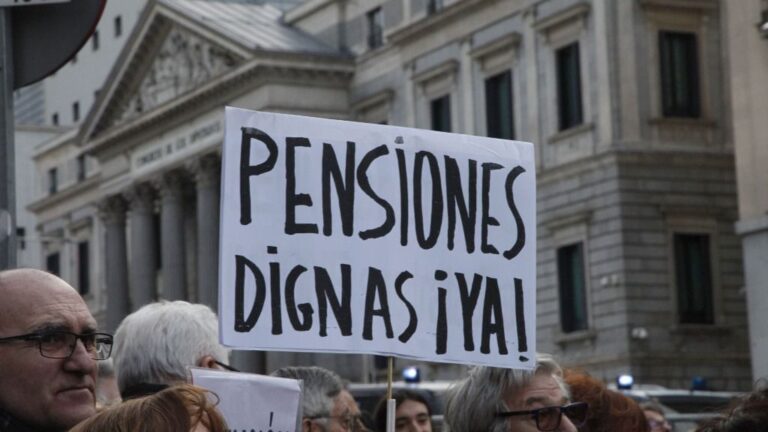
168 58
183 62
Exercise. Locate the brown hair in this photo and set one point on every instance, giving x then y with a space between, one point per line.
747 414
177 408
609 411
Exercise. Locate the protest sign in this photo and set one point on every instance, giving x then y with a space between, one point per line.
359 238
251 402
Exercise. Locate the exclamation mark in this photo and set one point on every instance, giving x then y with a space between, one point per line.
522 340
271 415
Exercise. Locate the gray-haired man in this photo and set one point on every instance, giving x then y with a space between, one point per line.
49 346
327 406
502 400
155 346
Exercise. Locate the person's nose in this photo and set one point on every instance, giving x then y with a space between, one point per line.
81 359
566 425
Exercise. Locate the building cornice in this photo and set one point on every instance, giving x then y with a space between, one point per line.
65 194
566 15
283 65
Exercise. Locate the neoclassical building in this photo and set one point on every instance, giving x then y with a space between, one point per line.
639 268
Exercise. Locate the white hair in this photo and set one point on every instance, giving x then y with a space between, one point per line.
472 403
157 343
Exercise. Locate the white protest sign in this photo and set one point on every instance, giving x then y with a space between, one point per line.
359 238
253 402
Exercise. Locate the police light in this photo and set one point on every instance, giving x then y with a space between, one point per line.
625 382
699 383
411 374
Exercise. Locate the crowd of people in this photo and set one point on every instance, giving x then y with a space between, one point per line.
51 380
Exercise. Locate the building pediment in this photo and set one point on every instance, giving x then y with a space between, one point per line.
167 58
183 62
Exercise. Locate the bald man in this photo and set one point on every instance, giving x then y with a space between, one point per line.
48 352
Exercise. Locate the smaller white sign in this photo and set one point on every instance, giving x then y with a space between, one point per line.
5 3
253 402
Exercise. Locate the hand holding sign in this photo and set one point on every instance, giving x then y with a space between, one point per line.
346 237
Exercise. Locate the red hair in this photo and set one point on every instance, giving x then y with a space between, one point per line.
609 411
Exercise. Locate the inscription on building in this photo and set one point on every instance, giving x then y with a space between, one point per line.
171 147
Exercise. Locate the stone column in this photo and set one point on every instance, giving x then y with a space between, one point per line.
144 258
112 213
172 247
207 171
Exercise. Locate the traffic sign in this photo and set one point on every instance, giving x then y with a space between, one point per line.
5 3
46 36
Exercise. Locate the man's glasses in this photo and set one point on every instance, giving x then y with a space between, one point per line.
548 418
61 344
225 366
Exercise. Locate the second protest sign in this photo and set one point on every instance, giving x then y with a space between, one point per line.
357 238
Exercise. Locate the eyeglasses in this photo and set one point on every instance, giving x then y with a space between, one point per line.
226 366
61 344
351 423
548 418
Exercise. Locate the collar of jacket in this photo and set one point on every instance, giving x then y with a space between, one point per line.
8 423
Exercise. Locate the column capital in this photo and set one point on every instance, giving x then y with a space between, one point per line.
141 197
206 170
171 184
112 209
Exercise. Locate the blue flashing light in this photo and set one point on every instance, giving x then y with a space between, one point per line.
411 374
699 383
625 382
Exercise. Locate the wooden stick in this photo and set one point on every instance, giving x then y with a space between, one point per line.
391 405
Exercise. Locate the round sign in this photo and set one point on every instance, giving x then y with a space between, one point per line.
46 36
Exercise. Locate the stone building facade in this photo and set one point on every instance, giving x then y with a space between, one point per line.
639 267
748 61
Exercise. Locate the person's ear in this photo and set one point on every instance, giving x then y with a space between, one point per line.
207 362
306 425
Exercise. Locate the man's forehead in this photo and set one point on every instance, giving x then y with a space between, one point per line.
33 300
543 389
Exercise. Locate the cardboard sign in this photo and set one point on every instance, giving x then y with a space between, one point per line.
359 238
251 402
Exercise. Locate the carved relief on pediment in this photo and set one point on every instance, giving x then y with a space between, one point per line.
183 62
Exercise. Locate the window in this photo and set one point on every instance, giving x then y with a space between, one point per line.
440 112
375 28
568 86
21 240
498 106
95 40
573 292
52 263
83 268
694 279
679 74
81 167
55 119
434 6
76 111
118 26
53 181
